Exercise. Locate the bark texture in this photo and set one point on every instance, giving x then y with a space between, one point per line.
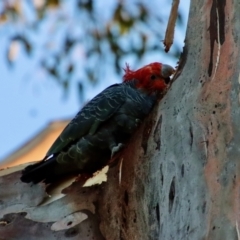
180 173
199 156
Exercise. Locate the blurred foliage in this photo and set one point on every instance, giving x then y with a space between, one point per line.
83 34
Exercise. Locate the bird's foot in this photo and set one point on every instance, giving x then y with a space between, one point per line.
116 149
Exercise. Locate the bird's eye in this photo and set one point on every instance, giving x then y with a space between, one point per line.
153 77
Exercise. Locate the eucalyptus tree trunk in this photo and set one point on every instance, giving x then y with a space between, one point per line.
179 176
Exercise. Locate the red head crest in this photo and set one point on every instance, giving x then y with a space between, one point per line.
152 77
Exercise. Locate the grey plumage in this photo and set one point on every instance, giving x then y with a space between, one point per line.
93 136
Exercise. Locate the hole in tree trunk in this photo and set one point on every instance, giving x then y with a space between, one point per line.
126 197
161 174
172 194
158 213
182 170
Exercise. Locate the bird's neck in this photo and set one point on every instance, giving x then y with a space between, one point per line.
135 84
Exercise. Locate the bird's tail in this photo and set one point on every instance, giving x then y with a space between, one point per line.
41 171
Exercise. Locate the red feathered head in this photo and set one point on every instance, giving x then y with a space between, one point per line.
152 77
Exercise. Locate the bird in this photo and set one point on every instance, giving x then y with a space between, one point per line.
103 126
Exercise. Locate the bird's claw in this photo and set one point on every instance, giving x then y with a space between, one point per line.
116 149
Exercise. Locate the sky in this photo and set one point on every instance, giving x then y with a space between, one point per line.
29 101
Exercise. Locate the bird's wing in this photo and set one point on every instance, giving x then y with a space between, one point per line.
87 121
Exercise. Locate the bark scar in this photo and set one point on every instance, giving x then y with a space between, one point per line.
157 133
171 195
191 135
216 30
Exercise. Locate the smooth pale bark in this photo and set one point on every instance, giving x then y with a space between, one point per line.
180 173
